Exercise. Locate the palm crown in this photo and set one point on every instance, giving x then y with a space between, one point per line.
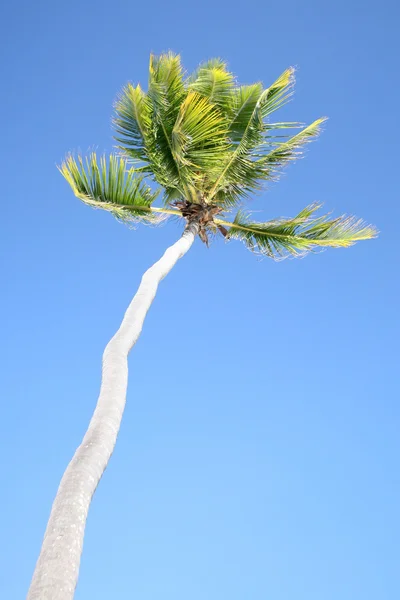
208 142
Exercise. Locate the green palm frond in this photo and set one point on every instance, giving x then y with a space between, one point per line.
198 140
165 94
278 94
296 237
133 123
137 137
249 169
166 81
111 186
244 102
216 83
242 171
290 149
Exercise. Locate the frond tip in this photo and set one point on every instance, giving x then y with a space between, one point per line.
296 237
110 185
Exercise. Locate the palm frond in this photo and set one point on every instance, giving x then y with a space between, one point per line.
111 186
242 172
144 121
136 134
277 94
215 82
290 149
166 76
198 138
132 123
249 170
166 91
190 137
244 102
296 237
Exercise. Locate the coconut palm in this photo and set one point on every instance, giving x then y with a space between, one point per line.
207 143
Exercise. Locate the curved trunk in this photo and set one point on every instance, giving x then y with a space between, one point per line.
57 569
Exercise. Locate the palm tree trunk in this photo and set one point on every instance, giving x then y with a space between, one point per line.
57 569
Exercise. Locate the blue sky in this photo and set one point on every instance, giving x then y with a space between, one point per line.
258 457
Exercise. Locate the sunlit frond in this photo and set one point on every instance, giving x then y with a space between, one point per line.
216 83
290 149
133 123
166 75
166 93
189 130
244 103
110 185
198 139
277 94
296 237
242 172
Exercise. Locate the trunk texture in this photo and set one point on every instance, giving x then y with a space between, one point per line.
57 569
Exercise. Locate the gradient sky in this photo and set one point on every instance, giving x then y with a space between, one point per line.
259 453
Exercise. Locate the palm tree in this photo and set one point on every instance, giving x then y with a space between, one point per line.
208 143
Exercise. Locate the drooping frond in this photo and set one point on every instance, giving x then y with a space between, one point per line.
110 186
296 237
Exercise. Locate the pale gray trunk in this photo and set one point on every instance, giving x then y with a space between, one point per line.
57 569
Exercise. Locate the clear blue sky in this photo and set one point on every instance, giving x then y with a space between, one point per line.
259 453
